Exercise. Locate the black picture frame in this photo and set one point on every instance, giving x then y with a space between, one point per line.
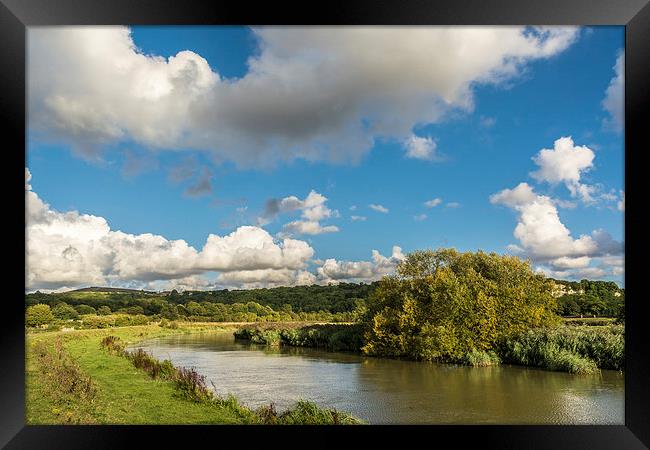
16 15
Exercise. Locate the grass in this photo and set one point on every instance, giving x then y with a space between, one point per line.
481 358
581 350
130 389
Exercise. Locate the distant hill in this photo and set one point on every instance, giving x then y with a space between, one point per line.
111 289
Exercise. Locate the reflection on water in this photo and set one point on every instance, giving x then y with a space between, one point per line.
393 391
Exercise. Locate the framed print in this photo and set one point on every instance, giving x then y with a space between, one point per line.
373 218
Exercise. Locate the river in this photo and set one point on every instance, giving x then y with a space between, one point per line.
388 391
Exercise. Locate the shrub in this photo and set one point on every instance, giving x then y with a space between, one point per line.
191 385
481 358
308 413
153 367
112 344
93 321
64 311
38 315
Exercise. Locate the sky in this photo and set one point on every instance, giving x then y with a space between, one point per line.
217 157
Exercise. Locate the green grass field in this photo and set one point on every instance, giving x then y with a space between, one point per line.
125 395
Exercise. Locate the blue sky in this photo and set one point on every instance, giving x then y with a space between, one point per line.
476 148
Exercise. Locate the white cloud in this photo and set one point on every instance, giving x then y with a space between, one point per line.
73 249
358 218
546 240
312 93
564 164
421 148
264 278
453 205
379 208
433 203
356 271
308 227
614 102
621 203
420 217
313 210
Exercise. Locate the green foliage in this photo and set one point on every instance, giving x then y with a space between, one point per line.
63 311
445 304
85 309
331 336
305 413
571 349
104 311
69 382
335 302
38 315
479 358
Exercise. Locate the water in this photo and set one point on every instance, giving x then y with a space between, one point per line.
386 391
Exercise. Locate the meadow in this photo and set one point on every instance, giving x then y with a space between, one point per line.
71 378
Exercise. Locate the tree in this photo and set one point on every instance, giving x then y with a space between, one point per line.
104 310
38 315
64 311
85 309
443 304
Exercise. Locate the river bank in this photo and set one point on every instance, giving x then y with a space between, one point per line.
70 380
565 348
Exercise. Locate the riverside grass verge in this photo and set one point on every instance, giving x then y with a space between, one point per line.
566 348
126 394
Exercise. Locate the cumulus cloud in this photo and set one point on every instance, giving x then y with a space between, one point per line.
311 93
312 211
358 218
546 240
333 270
564 164
433 203
74 249
379 208
264 278
614 102
308 227
421 148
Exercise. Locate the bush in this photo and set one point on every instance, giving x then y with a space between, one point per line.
191 385
38 315
330 336
113 344
572 349
63 311
153 367
481 358
92 321
308 413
